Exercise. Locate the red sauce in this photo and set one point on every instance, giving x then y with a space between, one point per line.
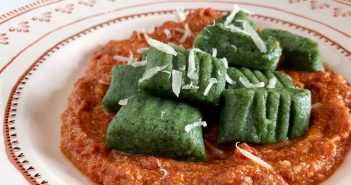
308 160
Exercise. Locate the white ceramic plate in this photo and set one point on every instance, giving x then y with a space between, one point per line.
45 47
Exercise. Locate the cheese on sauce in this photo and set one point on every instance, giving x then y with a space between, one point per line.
316 105
164 171
160 45
167 33
187 33
253 157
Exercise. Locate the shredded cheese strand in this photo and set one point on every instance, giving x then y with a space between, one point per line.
247 84
140 50
191 65
255 37
162 114
151 72
167 33
121 58
187 33
176 82
234 29
229 80
211 82
235 48
140 63
316 105
225 62
160 45
190 86
229 19
191 126
123 102
272 83
253 157
181 14
164 171
214 52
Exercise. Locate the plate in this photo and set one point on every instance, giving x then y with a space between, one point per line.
45 47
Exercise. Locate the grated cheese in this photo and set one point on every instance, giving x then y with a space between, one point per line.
234 29
140 50
235 48
229 19
179 30
176 82
167 33
100 81
214 52
225 62
316 105
229 80
253 157
247 84
169 74
160 45
181 14
191 65
151 72
131 58
140 63
182 68
121 58
187 33
164 171
255 37
272 82
123 102
211 82
197 50
162 114
191 126
190 86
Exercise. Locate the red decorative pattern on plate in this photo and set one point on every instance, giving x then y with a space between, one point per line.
44 17
316 4
21 27
3 39
89 3
26 8
66 9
